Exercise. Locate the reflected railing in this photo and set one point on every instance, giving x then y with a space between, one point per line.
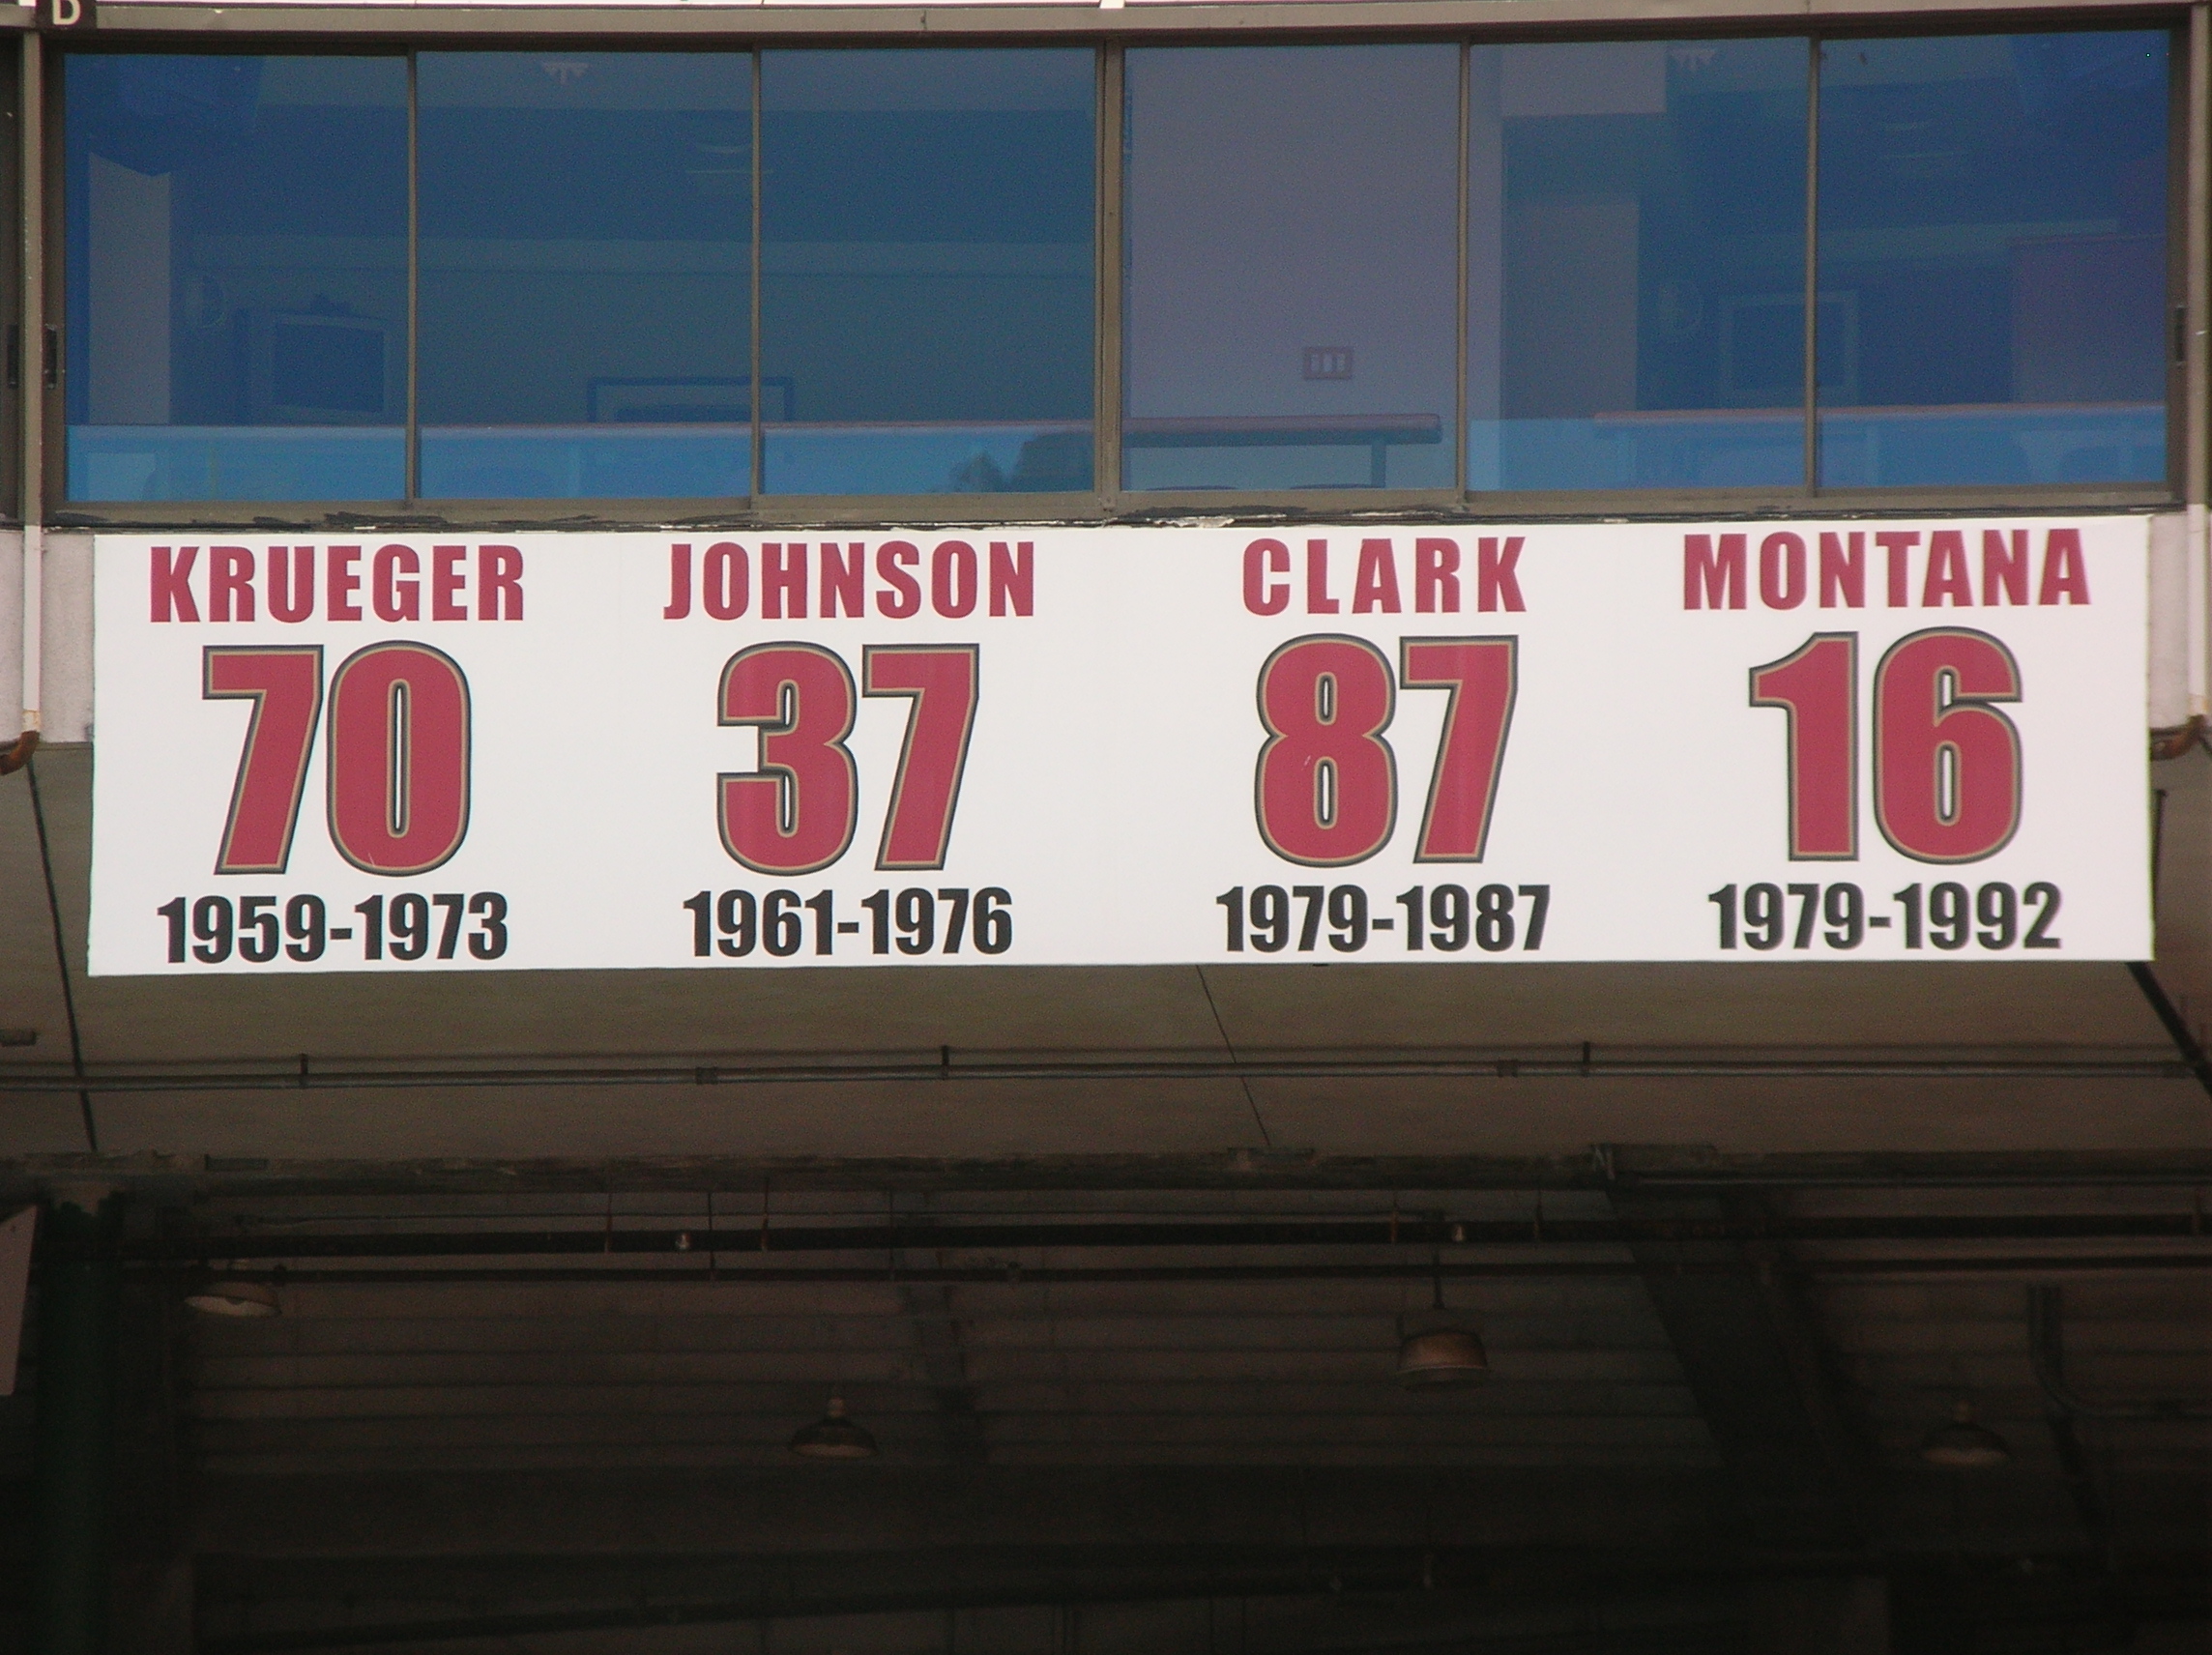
237 462
1971 445
1994 443
1950 445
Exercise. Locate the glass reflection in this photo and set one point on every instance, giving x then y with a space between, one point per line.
1992 241
586 222
926 270
1636 258
237 277
1291 267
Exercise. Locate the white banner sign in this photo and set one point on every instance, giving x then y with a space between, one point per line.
1432 745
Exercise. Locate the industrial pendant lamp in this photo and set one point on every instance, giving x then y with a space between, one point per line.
1438 1346
833 1436
1960 1444
232 1295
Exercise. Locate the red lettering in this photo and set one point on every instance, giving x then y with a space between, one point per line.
1013 577
679 582
726 583
1377 583
1317 599
172 584
1495 579
782 580
905 596
1843 572
446 583
1947 575
230 580
2004 569
952 579
1709 580
844 579
342 583
499 583
1898 544
1782 571
1262 558
395 600
291 587
2064 575
1435 576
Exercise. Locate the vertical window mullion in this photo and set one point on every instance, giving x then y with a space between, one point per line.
414 483
2189 218
1813 265
1458 298
759 389
1108 265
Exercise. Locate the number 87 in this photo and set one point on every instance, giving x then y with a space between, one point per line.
1326 787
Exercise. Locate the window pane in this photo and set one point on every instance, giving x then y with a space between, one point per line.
1636 265
1290 222
237 277
1992 256
926 270
587 220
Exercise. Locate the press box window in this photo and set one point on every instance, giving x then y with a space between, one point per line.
237 292
1992 213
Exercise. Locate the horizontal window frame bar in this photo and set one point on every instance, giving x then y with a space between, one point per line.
1050 511
1331 19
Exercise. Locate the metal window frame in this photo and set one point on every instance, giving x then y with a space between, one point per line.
354 30
18 329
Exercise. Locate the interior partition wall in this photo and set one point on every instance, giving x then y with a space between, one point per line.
1083 280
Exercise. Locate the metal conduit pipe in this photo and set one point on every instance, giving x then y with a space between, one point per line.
1326 1571
1549 1232
32 380
2046 1345
1014 1274
304 1077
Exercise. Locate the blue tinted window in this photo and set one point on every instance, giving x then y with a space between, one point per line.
585 270
1992 259
1291 265
237 277
926 270
1636 259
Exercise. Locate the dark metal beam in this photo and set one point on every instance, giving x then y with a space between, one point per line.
301 1074
79 1297
1642 1220
178 1180
1751 1359
2178 1030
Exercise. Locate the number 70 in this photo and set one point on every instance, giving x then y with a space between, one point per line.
397 758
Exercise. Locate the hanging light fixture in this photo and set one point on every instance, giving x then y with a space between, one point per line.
233 1296
1960 1444
1439 1346
833 1436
